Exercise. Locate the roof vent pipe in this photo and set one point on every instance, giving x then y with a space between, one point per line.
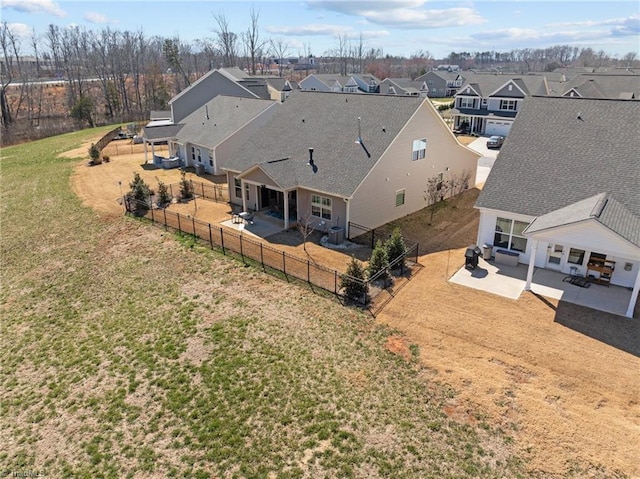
310 156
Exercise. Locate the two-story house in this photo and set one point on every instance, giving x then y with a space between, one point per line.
442 83
487 104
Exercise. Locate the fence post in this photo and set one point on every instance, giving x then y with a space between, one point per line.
215 193
373 238
210 236
222 241
193 222
261 257
179 228
241 252
171 191
152 218
335 282
202 184
164 211
284 266
308 272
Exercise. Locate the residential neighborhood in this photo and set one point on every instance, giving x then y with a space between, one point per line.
320 240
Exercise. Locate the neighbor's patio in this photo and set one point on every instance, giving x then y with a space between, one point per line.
509 281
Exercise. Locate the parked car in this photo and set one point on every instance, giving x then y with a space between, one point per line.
495 141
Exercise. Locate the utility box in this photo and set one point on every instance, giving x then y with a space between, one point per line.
336 235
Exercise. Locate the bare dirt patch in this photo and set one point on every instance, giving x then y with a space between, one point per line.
569 399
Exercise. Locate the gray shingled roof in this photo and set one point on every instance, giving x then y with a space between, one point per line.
601 208
165 132
328 123
486 84
226 115
605 85
561 151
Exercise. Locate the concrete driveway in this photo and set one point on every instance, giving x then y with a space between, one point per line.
486 162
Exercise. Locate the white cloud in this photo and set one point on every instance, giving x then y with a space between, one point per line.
325 30
402 14
21 30
94 17
35 6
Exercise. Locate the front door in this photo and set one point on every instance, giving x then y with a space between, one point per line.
554 256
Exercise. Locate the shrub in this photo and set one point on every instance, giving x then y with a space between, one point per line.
164 197
396 247
186 188
94 154
353 282
106 158
139 193
379 262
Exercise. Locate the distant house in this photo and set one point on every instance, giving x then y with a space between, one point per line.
624 85
338 159
327 82
564 191
403 87
442 83
487 104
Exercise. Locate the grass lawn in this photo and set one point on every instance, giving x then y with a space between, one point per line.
130 352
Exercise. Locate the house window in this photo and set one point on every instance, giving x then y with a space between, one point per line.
246 191
597 258
237 183
419 149
193 153
400 197
392 90
576 256
199 155
321 207
210 162
509 235
466 102
440 183
508 105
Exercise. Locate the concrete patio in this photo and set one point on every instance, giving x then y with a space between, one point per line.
509 281
262 226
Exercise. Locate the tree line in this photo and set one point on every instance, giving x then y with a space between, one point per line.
110 76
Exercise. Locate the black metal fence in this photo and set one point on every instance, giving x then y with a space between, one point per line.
210 191
378 291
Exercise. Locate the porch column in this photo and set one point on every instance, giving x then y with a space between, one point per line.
634 296
244 195
286 210
532 265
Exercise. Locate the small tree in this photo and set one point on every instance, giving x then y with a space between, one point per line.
458 183
354 282
186 187
305 227
436 191
82 111
396 247
379 262
139 193
164 198
94 154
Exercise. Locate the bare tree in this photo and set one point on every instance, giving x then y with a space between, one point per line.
458 183
280 50
436 191
7 40
305 228
227 41
253 44
342 53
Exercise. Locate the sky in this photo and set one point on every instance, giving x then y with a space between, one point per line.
398 27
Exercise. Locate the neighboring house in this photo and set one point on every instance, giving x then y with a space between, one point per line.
327 82
442 83
214 83
403 87
487 104
622 85
280 88
332 159
212 133
563 192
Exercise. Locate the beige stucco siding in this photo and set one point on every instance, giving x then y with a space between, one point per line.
374 202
